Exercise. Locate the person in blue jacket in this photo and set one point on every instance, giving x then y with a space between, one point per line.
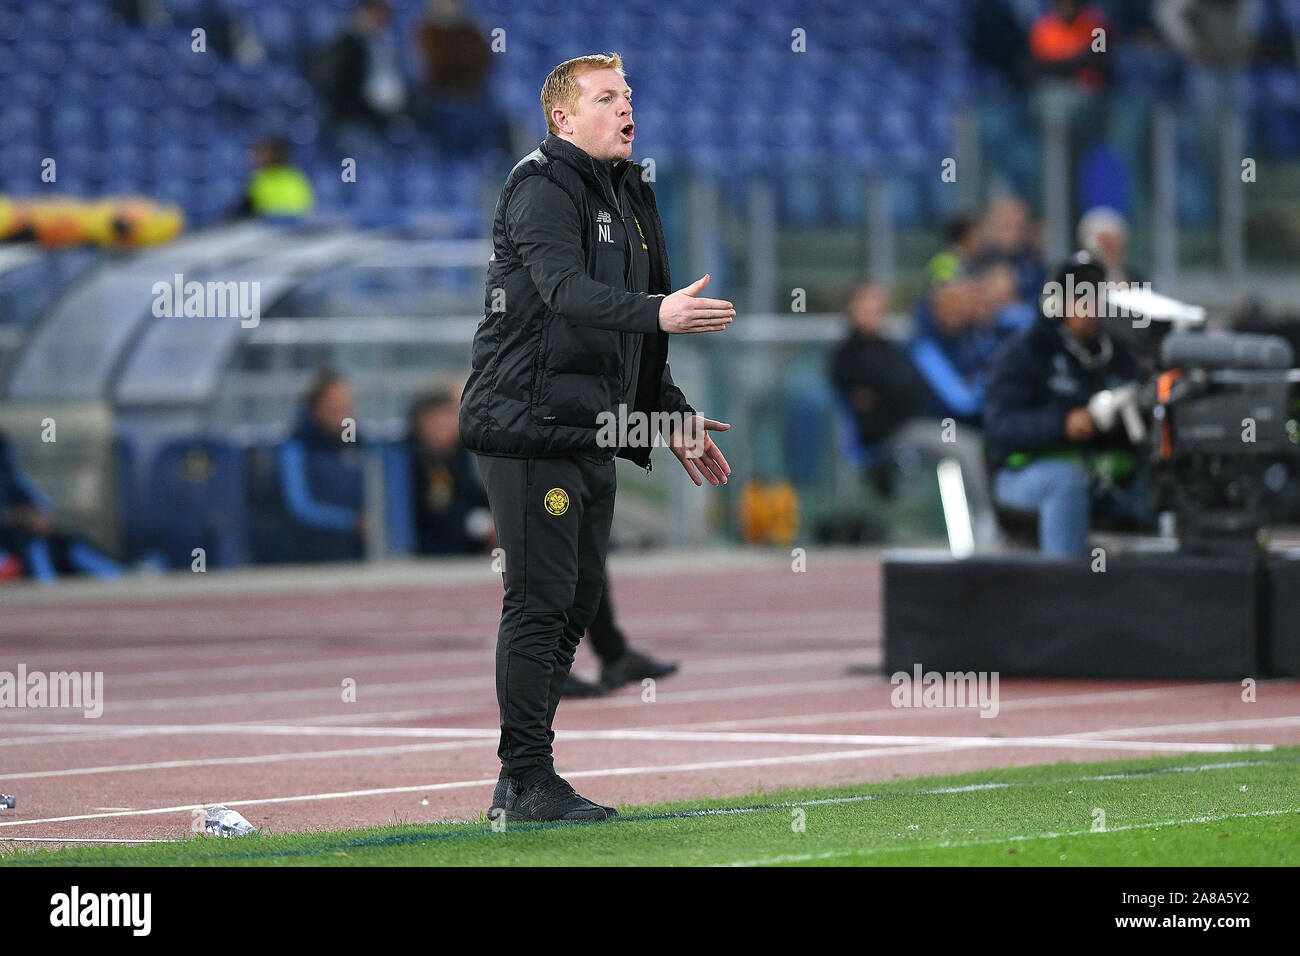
1047 452
322 477
957 328
30 542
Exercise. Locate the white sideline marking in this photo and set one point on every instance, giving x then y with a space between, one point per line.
1189 728
1015 838
491 781
9 839
627 771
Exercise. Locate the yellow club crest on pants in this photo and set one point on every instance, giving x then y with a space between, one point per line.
557 501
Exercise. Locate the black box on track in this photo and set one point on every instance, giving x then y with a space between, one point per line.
1025 615
1280 617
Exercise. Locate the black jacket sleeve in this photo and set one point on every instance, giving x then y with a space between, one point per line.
546 230
671 398
1016 416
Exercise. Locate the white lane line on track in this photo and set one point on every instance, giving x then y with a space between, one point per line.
254 759
1086 738
630 700
356 666
1014 838
574 775
434 658
477 738
1053 702
1050 701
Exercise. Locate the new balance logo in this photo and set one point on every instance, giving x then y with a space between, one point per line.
602 216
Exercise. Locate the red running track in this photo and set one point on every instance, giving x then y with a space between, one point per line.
231 691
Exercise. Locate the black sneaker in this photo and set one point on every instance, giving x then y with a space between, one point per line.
634 666
577 687
504 796
553 799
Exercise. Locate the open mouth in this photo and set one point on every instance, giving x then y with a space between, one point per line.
627 130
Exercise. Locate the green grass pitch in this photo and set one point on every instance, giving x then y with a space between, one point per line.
1224 809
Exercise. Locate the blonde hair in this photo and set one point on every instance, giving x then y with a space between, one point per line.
560 91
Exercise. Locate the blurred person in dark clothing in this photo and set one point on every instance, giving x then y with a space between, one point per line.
359 75
872 373
451 505
30 542
894 404
322 474
276 188
995 37
455 99
1048 453
1211 32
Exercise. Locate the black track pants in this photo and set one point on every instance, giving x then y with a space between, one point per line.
552 518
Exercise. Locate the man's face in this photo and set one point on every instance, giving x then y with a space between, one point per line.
334 405
952 305
601 122
867 309
439 428
1113 246
1081 319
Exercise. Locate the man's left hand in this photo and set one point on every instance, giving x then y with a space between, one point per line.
697 452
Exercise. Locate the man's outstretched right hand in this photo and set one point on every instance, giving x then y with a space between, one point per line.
683 312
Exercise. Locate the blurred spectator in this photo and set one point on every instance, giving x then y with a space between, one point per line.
996 38
1104 233
874 376
451 507
951 350
1062 40
1007 233
455 101
1073 48
277 188
999 307
1209 32
321 474
1047 453
951 345
359 75
893 404
963 237
29 539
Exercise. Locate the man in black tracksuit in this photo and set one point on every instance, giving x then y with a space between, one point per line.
577 315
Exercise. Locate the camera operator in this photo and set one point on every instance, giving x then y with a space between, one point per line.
1049 453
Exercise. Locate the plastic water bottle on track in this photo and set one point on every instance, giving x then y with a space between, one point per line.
224 822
